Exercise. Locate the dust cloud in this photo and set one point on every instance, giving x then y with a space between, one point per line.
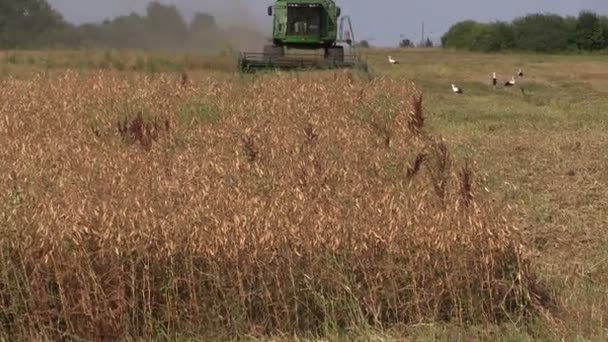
239 24
244 25
245 29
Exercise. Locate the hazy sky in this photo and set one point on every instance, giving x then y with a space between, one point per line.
380 21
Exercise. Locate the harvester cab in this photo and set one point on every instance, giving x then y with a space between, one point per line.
309 26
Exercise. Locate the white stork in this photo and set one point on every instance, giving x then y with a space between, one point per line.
392 61
494 80
520 73
456 89
510 83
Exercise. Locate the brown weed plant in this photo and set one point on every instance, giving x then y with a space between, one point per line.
311 134
184 79
106 242
466 185
440 171
414 168
250 148
142 131
416 117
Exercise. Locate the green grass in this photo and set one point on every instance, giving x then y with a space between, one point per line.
199 113
541 153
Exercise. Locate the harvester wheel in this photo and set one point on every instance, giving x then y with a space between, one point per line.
335 54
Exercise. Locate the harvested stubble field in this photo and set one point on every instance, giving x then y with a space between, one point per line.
137 205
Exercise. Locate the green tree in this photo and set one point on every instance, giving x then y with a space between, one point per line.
204 32
493 37
162 27
476 36
542 33
406 43
23 23
203 22
589 32
604 26
167 26
91 35
462 35
34 24
127 32
66 36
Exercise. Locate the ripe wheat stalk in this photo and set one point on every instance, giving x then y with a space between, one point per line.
284 215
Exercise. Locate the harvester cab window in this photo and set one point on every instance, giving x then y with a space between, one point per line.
303 20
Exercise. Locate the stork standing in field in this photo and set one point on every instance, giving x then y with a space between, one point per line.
510 83
392 61
456 89
494 80
520 73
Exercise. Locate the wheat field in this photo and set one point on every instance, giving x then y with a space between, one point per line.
142 204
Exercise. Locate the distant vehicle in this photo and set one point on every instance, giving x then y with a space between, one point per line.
305 25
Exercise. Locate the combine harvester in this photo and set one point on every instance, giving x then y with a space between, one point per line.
309 25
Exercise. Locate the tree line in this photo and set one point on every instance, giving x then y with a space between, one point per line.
34 24
535 32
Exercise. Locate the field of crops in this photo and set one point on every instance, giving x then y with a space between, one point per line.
144 203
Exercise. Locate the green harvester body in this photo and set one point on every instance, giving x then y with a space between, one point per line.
302 23
310 25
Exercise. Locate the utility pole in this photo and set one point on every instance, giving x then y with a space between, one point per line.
422 36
